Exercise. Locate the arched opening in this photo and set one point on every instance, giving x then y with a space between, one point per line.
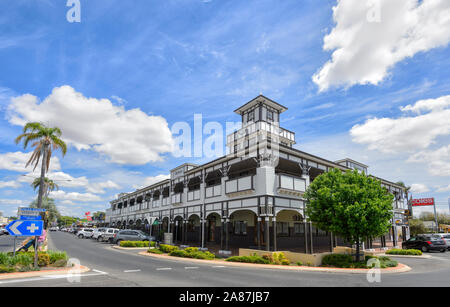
290 227
242 232
193 229
213 228
139 225
131 224
178 229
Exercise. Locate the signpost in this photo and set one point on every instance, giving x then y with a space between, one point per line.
427 202
30 224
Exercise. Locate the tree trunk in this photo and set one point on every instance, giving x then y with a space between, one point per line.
357 250
43 171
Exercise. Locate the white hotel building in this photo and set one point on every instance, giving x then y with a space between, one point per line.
250 198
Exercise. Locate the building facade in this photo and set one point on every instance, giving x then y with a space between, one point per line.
250 198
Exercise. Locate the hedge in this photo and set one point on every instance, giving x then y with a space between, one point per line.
134 243
167 248
24 261
249 259
396 251
192 252
346 261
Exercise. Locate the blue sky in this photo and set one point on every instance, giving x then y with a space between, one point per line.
163 61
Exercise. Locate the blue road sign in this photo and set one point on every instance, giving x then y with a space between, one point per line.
21 228
30 218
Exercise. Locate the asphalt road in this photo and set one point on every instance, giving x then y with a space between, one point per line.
111 267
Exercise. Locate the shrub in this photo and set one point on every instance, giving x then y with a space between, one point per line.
299 263
6 269
134 243
56 256
191 249
396 251
155 251
280 258
201 255
167 248
337 260
152 244
43 259
268 257
248 259
178 253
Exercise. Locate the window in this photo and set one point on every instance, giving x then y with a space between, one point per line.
269 115
283 228
251 116
299 228
240 228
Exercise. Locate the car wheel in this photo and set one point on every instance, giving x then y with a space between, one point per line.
424 249
443 250
80 236
99 238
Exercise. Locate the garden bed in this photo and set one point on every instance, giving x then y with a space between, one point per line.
24 261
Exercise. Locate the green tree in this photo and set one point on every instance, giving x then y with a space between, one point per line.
46 140
416 227
52 213
49 185
349 204
66 220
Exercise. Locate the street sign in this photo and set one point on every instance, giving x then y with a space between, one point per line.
30 218
29 211
423 202
25 228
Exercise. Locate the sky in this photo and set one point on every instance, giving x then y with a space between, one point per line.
363 79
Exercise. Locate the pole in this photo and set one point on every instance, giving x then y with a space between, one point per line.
435 216
36 252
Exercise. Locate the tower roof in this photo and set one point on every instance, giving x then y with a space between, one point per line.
262 99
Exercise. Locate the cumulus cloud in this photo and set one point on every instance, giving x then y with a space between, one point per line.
74 196
443 189
124 136
371 36
419 188
148 181
9 184
422 125
407 133
15 161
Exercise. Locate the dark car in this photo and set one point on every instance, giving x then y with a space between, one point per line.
425 243
131 235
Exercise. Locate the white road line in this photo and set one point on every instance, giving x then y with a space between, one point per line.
131 271
163 269
191 267
48 277
218 266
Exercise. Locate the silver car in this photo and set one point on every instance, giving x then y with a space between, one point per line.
445 237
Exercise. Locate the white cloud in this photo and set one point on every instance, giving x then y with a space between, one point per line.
419 188
9 184
125 136
74 196
370 37
148 181
407 133
438 160
16 161
99 187
443 189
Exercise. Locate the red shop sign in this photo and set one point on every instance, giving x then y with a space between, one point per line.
423 202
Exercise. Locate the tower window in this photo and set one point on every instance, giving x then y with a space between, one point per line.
270 115
251 116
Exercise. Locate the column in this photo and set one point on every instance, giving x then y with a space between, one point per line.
222 232
311 237
267 221
274 219
258 231
227 239
203 233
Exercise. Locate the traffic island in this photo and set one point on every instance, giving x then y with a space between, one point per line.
400 268
46 272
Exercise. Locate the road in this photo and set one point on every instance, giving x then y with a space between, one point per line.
111 267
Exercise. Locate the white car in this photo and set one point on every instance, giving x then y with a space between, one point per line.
85 233
97 232
108 235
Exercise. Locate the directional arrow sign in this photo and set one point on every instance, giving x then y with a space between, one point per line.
25 228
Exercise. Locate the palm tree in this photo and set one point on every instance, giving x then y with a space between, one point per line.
46 140
49 185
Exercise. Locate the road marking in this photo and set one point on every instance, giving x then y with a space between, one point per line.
163 269
49 277
99 272
131 271
218 266
191 267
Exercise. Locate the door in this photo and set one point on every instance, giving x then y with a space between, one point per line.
211 230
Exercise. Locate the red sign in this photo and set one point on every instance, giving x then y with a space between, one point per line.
423 202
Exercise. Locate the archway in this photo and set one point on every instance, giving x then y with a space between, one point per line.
193 232
213 228
243 229
290 228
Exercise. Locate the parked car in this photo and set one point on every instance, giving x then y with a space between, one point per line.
85 233
97 232
53 229
131 235
3 231
107 235
425 243
445 237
